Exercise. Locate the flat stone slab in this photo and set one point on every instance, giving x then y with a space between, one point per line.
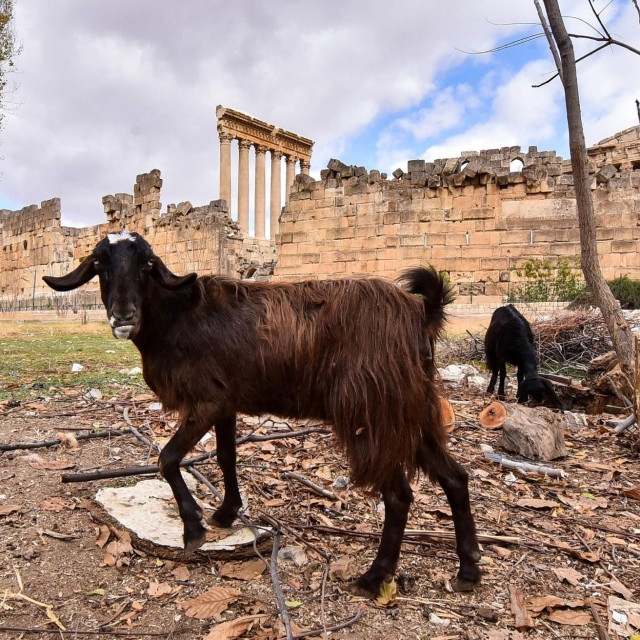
147 510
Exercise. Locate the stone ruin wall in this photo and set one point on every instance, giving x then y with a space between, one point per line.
186 238
470 216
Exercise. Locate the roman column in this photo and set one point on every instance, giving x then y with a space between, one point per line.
305 165
260 231
225 168
291 174
276 202
243 185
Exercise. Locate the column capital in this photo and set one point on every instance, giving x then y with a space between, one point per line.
260 149
305 164
225 138
243 144
275 154
291 159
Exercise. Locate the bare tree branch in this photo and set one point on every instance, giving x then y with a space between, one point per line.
550 40
598 18
635 4
608 41
509 45
586 55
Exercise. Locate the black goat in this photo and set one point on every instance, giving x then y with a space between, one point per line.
509 339
357 354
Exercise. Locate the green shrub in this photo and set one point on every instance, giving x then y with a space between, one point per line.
627 291
541 284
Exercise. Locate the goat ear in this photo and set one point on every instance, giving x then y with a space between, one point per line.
76 278
161 274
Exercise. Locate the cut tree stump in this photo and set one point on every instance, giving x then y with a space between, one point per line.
536 433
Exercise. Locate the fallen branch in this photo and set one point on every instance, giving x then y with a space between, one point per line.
525 467
154 468
273 570
48 608
341 625
623 425
102 633
410 535
53 443
311 485
600 626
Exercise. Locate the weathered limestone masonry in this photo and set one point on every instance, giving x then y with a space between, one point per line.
473 216
187 238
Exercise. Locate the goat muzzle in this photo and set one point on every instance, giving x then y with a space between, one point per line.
123 325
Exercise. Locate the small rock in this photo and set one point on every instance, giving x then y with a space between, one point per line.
75 367
341 482
295 554
155 406
434 619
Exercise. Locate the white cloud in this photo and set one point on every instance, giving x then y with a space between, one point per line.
111 90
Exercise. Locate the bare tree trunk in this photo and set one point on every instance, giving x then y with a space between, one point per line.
612 315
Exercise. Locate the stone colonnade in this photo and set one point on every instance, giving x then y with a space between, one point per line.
263 137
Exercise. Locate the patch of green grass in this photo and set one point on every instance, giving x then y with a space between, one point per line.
39 355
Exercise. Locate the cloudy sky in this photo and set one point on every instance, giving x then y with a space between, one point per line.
108 90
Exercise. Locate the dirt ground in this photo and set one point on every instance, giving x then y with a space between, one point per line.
565 547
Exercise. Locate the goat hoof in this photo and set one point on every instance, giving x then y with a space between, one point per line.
195 542
222 519
366 586
460 584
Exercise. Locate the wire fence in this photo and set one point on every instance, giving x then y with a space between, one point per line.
62 304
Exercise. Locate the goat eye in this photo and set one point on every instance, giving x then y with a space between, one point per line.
96 264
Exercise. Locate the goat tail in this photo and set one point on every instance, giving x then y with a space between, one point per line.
436 293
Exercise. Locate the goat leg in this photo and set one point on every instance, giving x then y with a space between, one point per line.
226 445
184 439
503 375
455 483
492 382
397 497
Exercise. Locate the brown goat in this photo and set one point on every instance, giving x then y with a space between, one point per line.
356 353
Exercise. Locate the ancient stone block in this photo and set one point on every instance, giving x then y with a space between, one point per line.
416 165
536 433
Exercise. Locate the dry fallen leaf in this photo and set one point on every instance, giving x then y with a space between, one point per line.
57 504
6 509
243 570
181 573
210 603
56 534
537 503
572 576
568 617
233 628
343 568
632 492
618 587
522 618
159 589
103 535
537 604
52 465
387 596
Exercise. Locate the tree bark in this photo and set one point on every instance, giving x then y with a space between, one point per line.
611 313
